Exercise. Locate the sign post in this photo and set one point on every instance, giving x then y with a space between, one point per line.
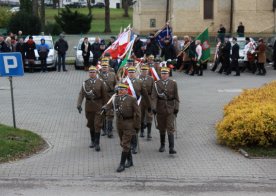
11 65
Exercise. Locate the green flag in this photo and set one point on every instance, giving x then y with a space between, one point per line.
204 38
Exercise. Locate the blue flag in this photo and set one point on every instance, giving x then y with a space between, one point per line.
160 36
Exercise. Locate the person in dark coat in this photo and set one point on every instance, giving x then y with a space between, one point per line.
235 58
95 48
30 54
168 51
3 45
20 47
86 49
151 47
225 56
221 32
112 40
61 46
240 30
138 44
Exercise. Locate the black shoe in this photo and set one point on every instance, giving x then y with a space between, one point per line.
237 75
129 160
92 145
259 74
97 142
103 133
122 163
171 144
134 144
92 137
162 142
65 70
109 129
142 133
149 131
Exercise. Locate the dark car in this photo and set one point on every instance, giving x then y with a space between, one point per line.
99 5
269 48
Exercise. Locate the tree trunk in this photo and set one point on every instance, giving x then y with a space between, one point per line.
107 17
89 7
42 15
125 6
35 7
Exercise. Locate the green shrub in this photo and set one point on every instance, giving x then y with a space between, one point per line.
250 119
5 17
25 22
73 22
52 29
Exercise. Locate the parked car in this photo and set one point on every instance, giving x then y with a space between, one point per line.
99 5
15 9
52 56
78 54
269 48
77 4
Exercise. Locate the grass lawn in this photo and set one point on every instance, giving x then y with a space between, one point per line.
97 26
17 143
261 152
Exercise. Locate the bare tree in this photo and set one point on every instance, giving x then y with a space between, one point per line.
42 15
35 7
89 7
107 28
125 6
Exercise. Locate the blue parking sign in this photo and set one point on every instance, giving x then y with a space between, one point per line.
11 64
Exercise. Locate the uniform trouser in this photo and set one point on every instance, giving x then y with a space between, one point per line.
146 117
125 136
94 120
165 123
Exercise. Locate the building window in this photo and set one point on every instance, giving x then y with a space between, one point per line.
208 9
152 23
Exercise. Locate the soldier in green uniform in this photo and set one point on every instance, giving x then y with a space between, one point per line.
127 120
109 80
93 90
165 105
146 116
140 93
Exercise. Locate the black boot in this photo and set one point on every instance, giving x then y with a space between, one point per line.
149 131
109 128
104 128
92 136
122 163
171 144
134 144
142 130
162 141
97 142
129 160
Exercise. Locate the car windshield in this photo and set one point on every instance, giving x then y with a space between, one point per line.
48 42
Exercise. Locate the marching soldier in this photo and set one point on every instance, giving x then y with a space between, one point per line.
141 93
127 120
93 90
146 116
109 80
106 61
165 105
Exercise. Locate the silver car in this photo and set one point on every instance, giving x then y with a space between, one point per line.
52 56
78 54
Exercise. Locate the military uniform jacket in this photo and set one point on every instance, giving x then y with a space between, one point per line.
109 80
140 90
95 93
148 84
165 96
127 112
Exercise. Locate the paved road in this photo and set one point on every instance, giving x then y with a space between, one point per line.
46 104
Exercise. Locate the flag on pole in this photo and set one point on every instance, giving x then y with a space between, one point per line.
119 48
204 38
154 74
162 34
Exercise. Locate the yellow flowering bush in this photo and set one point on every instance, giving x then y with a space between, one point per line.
250 118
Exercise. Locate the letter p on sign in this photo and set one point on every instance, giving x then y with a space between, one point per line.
10 62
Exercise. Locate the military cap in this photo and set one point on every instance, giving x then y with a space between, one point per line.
92 69
131 70
105 64
122 86
144 67
165 70
151 56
